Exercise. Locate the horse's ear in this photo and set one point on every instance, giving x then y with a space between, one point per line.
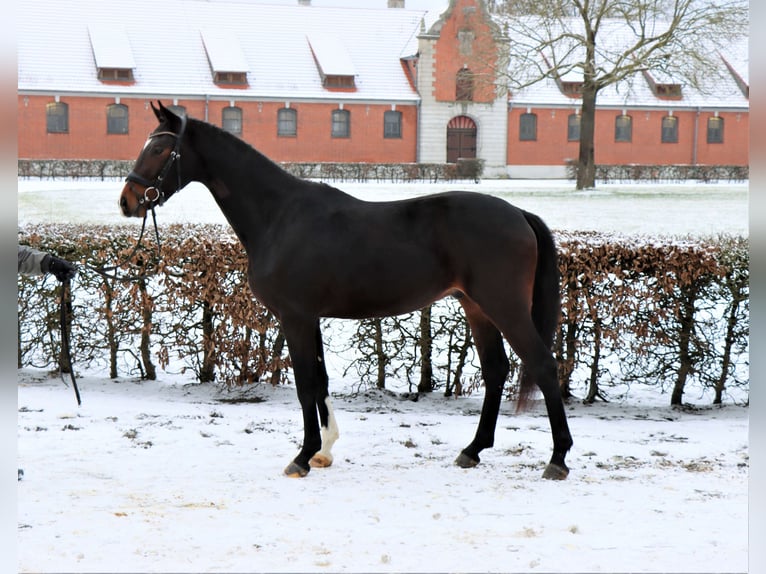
158 111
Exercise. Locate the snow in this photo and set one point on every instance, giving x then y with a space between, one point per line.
164 476
170 475
644 209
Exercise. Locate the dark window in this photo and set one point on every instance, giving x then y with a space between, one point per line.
392 124
231 120
234 78
573 89
670 129
623 129
573 128
57 118
464 86
287 122
115 74
341 124
715 130
668 91
528 127
337 81
116 119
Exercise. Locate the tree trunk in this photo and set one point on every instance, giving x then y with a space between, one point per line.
146 329
207 370
731 325
111 331
684 345
593 390
457 381
586 163
279 345
426 347
380 353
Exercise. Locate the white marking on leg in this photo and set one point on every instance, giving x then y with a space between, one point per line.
329 435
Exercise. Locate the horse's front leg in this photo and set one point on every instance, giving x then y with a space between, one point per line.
328 426
300 334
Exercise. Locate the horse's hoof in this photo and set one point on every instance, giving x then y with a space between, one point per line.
294 470
320 461
465 461
555 472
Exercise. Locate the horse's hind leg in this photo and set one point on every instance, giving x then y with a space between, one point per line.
328 427
494 370
539 366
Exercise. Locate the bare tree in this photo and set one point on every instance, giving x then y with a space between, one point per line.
592 44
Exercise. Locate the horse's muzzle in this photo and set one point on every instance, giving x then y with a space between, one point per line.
130 203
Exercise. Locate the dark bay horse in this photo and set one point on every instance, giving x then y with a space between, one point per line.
314 251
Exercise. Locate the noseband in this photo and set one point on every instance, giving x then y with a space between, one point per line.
155 186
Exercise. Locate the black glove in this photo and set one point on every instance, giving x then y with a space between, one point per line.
60 268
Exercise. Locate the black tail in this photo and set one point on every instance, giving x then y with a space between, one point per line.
546 297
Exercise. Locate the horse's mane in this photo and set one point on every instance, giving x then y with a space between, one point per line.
220 139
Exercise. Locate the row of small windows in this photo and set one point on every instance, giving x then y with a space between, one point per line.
623 128
287 123
57 115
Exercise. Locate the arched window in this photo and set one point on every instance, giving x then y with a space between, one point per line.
623 128
573 128
528 127
117 119
57 118
464 85
341 124
669 129
231 120
392 124
715 130
287 122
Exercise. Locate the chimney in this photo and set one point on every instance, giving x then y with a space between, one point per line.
396 3
304 2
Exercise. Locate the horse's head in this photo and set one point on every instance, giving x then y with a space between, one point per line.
156 175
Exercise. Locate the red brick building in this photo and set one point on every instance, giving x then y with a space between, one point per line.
304 83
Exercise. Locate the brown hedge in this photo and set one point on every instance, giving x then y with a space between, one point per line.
662 311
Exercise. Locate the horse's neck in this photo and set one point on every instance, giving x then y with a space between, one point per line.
249 188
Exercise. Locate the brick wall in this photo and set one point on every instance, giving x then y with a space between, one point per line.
552 147
87 137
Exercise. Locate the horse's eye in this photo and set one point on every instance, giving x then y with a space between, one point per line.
157 150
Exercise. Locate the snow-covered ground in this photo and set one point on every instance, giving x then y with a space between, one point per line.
647 209
173 476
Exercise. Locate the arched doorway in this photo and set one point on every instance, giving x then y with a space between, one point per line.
461 139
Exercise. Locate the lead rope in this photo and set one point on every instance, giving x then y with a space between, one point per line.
65 311
110 272
65 307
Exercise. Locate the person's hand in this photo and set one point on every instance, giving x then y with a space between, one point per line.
60 268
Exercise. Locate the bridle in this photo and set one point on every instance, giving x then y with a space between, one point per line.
151 200
153 194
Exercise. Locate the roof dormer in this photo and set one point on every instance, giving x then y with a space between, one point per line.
226 58
663 85
112 54
333 62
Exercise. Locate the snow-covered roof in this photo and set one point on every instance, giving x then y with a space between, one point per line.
174 47
720 87
331 54
111 48
223 51
174 43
